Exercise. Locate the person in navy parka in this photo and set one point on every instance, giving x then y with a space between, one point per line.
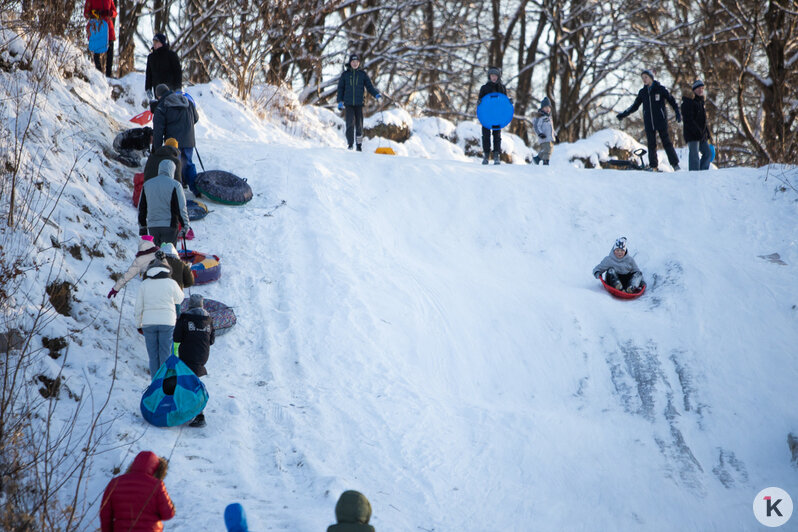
655 118
351 90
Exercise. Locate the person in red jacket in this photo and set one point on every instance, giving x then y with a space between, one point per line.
137 501
106 10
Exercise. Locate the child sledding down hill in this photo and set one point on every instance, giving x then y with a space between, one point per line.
621 269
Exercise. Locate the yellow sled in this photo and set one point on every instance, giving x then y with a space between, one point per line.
387 150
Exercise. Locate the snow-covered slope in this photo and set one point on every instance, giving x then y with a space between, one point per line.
429 333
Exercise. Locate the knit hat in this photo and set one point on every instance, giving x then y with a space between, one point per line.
166 167
545 102
648 72
161 89
171 142
195 301
160 37
494 70
158 266
148 238
698 83
354 57
620 244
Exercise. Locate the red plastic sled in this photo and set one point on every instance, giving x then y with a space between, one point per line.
620 294
144 117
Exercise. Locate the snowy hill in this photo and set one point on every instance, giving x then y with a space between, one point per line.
428 332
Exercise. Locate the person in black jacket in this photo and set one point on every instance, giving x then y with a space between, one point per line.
174 116
351 90
163 66
169 151
696 130
494 84
195 333
655 118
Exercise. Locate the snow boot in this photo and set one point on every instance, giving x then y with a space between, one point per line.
496 158
198 422
486 158
536 160
545 162
618 285
676 168
349 147
359 147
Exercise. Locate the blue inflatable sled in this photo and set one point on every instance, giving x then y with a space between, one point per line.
175 396
711 152
495 111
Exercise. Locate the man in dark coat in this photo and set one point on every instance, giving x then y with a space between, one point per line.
353 512
351 90
494 84
696 130
195 334
169 151
655 118
163 66
174 116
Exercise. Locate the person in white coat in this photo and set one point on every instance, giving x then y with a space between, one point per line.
144 256
155 312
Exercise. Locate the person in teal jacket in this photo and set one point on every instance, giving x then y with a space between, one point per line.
352 86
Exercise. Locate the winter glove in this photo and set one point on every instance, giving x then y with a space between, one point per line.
142 231
141 331
541 135
556 138
340 105
378 96
184 231
620 116
150 95
112 293
678 118
598 275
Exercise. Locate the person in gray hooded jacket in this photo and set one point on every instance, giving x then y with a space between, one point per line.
621 269
163 206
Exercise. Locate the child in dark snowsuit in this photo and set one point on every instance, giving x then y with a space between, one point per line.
544 131
494 84
195 334
622 271
351 89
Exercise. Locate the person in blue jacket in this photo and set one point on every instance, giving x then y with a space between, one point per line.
655 118
351 89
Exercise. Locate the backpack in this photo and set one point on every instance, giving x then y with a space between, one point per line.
98 36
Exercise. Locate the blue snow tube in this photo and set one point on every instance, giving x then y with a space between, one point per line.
711 152
223 187
495 111
175 395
